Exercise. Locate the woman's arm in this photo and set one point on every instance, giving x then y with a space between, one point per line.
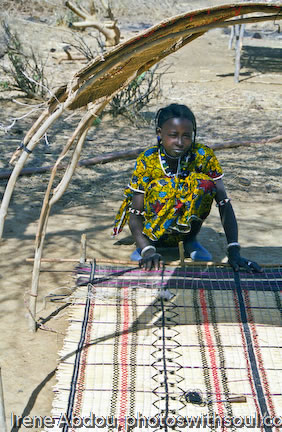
229 223
136 221
227 215
150 259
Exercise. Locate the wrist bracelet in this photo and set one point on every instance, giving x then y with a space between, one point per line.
223 202
146 248
233 244
136 212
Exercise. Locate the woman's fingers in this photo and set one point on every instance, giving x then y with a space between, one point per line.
234 265
247 265
151 262
255 267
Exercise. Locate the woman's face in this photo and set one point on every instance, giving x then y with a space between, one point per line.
177 136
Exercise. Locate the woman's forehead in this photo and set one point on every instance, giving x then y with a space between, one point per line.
178 122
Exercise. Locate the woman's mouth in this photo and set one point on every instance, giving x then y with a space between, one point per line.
178 151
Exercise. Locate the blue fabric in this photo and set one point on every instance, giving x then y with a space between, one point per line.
135 256
197 252
194 249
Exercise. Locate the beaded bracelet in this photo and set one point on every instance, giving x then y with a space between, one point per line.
146 248
223 202
136 212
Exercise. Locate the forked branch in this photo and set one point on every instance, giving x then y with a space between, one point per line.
108 28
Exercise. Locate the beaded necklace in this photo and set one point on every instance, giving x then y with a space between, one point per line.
182 168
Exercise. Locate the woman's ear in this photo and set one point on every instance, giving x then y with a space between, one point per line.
158 131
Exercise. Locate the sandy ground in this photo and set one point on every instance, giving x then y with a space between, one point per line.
200 75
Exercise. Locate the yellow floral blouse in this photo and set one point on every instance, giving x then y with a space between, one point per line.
171 200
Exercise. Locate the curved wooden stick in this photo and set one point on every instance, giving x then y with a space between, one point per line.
20 163
40 236
29 134
80 134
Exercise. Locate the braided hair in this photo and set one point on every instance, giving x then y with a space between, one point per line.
175 111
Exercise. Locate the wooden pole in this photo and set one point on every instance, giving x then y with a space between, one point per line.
181 253
103 159
128 155
83 250
29 134
126 262
2 407
239 34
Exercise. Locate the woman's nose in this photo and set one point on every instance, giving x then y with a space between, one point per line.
180 141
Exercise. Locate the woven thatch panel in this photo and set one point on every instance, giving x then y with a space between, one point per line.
105 75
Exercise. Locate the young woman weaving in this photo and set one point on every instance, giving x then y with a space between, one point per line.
171 192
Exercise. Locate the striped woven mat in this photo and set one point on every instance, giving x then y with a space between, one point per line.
180 348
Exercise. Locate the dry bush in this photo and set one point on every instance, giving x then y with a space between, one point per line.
130 101
88 50
25 72
31 7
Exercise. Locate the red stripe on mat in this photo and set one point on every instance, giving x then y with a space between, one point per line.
124 362
258 355
212 355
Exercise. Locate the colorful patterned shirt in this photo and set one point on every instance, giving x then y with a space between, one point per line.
200 164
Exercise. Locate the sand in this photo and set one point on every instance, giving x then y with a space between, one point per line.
200 75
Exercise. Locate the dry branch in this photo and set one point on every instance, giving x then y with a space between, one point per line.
128 155
108 28
133 263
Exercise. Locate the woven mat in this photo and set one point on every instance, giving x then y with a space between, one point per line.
133 357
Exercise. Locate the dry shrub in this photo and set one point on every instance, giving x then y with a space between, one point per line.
25 72
130 101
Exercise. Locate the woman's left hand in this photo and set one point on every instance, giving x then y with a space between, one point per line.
237 262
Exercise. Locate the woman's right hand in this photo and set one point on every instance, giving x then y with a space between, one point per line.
151 260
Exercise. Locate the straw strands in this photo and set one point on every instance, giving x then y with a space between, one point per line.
212 350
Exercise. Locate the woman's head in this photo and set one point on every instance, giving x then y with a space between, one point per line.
176 129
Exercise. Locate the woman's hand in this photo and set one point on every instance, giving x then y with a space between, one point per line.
151 260
237 262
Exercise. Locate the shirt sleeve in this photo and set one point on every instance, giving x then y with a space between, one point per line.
213 168
140 178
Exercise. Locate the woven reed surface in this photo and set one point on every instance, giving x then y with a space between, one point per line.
105 75
128 351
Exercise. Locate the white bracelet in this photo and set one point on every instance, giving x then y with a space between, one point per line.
146 248
233 244
223 202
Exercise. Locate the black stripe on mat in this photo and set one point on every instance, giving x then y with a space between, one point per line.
75 374
250 349
164 365
116 365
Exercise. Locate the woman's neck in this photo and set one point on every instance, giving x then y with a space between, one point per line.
175 158
172 161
